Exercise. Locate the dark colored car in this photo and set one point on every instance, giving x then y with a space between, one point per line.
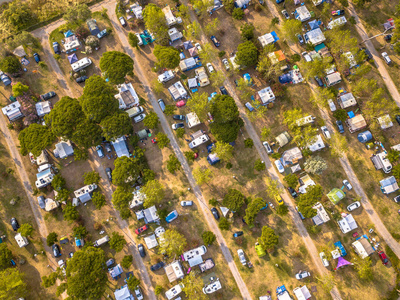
41 202
398 119
14 224
237 234
56 250
279 1
109 174
108 148
223 90
388 38
367 53
292 192
319 81
157 266
56 48
215 41
215 213
300 38
383 257
179 117
340 127
140 248
36 57
141 229
81 79
47 96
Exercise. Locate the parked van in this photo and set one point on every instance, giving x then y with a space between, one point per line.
101 241
134 111
200 140
81 64
166 76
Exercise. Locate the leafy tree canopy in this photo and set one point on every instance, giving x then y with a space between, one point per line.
117 125
224 109
121 198
154 192
25 229
34 139
253 209
247 54
80 12
70 212
126 171
133 40
306 201
91 177
12 285
208 237
268 239
199 104
19 89
116 65
225 132
172 243
167 57
18 15
151 120
5 256
223 150
87 134
51 239
202 175
117 241
234 200
290 28
193 287
155 21
98 199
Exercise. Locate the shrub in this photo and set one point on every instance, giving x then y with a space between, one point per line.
180 132
213 202
224 224
158 290
258 7
221 54
189 154
248 143
237 13
276 155
274 21
208 237
259 165
340 114
296 57
127 261
282 210
291 180
228 165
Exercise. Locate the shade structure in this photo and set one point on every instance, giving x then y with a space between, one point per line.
313 24
193 51
342 262
187 45
72 58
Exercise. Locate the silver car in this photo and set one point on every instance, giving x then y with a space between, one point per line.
302 274
267 148
226 64
242 258
354 206
139 118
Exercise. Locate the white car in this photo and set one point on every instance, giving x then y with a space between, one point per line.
242 258
306 56
139 38
386 58
302 274
226 64
279 166
325 262
198 47
138 293
326 132
268 148
332 105
139 118
186 203
354 206
210 68
347 184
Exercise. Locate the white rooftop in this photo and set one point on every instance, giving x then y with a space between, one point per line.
347 223
266 95
43 108
317 145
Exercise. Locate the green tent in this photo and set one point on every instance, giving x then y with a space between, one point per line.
336 195
260 251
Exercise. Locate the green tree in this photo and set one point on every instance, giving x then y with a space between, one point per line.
217 79
201 7
158 290
116 65
5 256
290 28
10 64
245 90
62 195
19 89
117 125
340 41
121 198
363 267
132 282
162 140
199 104
308 200
169 110
327 281
248 143
127 261
91 177
291 180
190 155
133 40
223 150
18 15
208 238
126 171
75 14
209 52
253 209
396 171
34 139
259 165
212 27
151 120
85 274
268 239
338 145
80 231
173 164
238 13
87 134
154 192
202 175
317 67
393 156
282 210
58 182
224 224
265 133
25 229
180 132
98 199
229 5
70 213
340 114
247 31
247 54
167 57
273 188
234 200
51 239
98 99
193 287
155 22
172 243
117 241
48 281
12 285
315 165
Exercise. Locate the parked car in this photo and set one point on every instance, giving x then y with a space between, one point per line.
178 125
157 266
285 14
180 103
47 96
36 57
223 90
140 248
279 199
267 148
99 151
319 81
347 184
141 229
325 262
186 203
5 79
292 192
300 38
279 1
215 213
14 224
179 117
386 58
396 199
109 174
383 257
138 293
306 56
162 104
279 166
102 33
41 202
388 37
332 105
210 68
198 47
325 132
237 234
300 214
242 258
226 64
306 38
81 79
122 21
56 250
215 41
339 125
139 118
249 106
302 274
107 146
354 206
397 119
56 48
367 53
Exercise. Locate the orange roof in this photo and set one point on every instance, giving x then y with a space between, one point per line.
279 54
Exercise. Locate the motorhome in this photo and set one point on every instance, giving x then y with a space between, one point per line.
81 64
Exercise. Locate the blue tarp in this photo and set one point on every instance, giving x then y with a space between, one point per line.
187 45
314 24
365 136
72 58
319 47
68 33
341 248
276 38
285 78
351 114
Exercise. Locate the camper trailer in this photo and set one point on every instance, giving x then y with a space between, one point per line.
81 64
101 241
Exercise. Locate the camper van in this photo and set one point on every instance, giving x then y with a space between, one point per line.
166 76
81 64
305 121
134 111
198 141
101 241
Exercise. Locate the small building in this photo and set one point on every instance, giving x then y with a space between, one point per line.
151 241
305 182
317 145
123 293
346 100
322 216
93 28
121 147
169 16
202 77
333 78
291 156
194 256
177 91
385 122
84 194
43 108
174 291
268 38
356 123
13 111
174 34
389 185
138 199
63 149
71 44
44 177
315 36
347 223
283 139
116 272
266 96
166 76
381 162
21 240
337 22
302 292
335 195
189 64
174 271
127 96
149 215
363 247
302 13
192 120
137 10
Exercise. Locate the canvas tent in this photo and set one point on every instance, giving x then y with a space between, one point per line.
291 156
385 121
19 51
363 247
193 51
302 14
123 293
72 58
151 241
187 45
337 22
314 24
335 195
342 262
315 36
356 123
283 139
346 100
